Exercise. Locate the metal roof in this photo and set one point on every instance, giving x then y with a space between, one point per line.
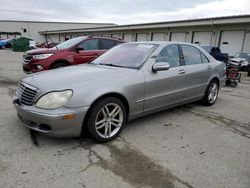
178 23
35 21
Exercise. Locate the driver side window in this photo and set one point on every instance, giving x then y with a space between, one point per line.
169 54
91 44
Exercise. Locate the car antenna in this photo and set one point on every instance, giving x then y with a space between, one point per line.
52 42
46 39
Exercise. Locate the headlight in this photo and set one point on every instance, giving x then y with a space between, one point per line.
54 100
42 56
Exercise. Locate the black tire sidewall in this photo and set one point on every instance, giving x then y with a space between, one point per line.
58 65
93 113
234 84
228 82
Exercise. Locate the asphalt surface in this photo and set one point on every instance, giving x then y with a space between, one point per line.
185 147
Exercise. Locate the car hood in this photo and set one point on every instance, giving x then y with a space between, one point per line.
70 77
43 51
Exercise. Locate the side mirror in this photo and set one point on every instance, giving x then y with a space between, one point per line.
79 48
160 66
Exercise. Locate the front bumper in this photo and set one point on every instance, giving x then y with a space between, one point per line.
52 122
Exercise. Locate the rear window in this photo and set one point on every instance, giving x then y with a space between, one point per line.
107 44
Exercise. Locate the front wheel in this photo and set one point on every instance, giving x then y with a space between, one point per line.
58 65
106 119
211 93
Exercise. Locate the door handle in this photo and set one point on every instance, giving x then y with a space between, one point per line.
182 71
209 67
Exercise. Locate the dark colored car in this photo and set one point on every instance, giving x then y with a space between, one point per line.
216 53
75 51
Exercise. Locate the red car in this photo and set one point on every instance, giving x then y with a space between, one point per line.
71 52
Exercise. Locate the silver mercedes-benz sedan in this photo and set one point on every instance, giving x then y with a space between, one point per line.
129 81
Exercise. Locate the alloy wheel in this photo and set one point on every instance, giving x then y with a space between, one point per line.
213 92
109 120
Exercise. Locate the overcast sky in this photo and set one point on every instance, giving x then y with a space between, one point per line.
119 11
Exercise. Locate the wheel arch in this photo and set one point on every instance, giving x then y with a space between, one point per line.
215 78
59 61
119 96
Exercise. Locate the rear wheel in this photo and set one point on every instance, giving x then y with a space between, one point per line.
58 65
106 119
211 93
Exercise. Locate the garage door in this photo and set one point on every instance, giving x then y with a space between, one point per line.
62 38
142 37
127 37
247 43
158 37
116 35
3 36
106 35
202 38
9 36
231 41
178 36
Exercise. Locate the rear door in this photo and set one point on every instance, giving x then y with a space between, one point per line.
164 88
90 51
198 70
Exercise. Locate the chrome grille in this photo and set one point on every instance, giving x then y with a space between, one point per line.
26 93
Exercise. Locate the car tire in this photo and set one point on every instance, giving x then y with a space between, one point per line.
106 119
211 93
234 84
228 82
58 65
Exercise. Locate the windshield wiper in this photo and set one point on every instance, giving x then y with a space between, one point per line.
111 65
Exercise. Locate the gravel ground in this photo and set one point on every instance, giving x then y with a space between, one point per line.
188 146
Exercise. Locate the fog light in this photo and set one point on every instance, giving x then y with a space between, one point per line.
39 67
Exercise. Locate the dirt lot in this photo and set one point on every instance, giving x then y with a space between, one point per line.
188 146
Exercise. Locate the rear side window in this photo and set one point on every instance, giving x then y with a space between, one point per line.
191 55
91 44
169 54
106 44
204 58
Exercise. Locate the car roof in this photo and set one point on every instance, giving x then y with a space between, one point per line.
163 43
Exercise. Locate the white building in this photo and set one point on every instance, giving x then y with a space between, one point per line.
30 29
231 33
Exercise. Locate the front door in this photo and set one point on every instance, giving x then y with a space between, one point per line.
164 88
90 51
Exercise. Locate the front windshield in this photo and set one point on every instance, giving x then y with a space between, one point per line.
69 43
130 55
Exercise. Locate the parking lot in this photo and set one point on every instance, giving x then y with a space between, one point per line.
188 146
